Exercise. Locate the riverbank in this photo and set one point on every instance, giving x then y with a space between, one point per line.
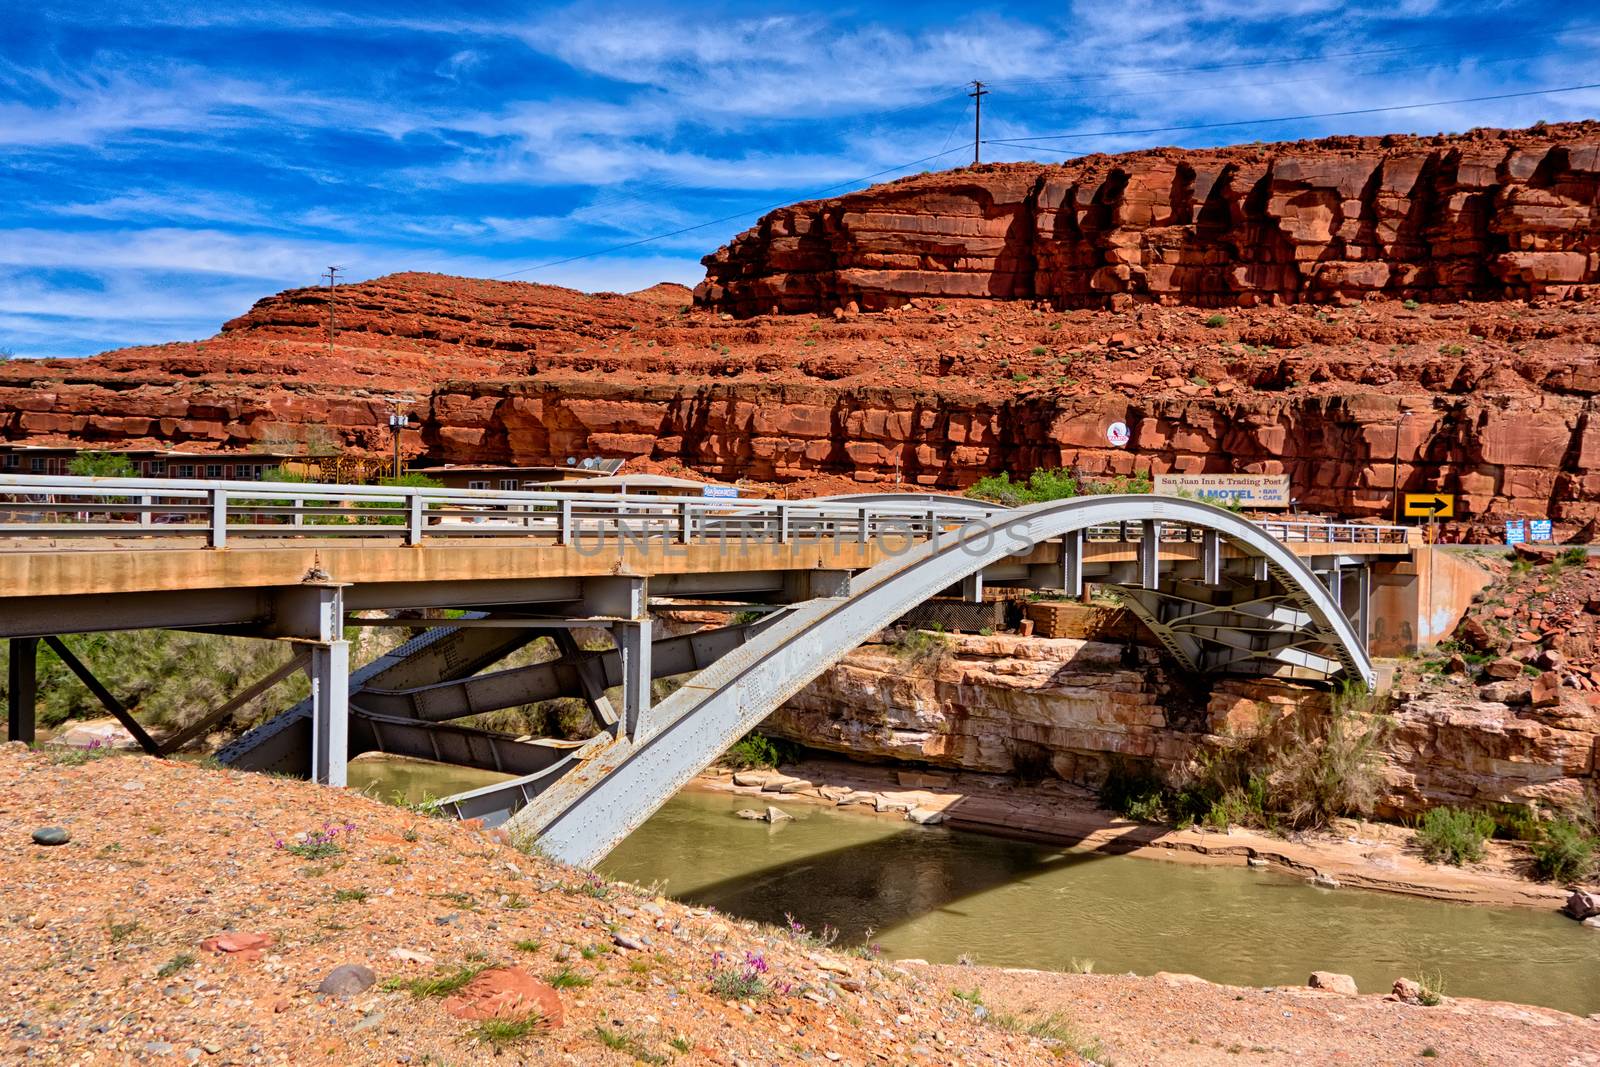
1352 854
1177 1018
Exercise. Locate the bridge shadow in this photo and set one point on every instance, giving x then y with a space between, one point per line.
895 878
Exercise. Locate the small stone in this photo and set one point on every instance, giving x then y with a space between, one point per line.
776 815
51 835
627 941
347 979
1324 881
1332 982
925 816
406 955
158 1048
1255 861
368 1021
1407 990
751 814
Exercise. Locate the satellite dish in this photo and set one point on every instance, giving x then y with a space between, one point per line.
571 460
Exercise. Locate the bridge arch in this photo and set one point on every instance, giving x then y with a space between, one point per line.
616 787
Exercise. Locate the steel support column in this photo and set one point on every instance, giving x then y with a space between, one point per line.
318 616
1211 557
1072 563
330 712
633 646
22 689
972 588
1150 553
1363 616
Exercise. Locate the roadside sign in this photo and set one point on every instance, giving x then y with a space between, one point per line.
1249 490
719 492
1117 434
1516 531
1540 530
1430 505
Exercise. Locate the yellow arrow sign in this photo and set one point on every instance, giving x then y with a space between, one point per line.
1430 505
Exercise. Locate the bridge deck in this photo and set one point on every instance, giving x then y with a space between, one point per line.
125 565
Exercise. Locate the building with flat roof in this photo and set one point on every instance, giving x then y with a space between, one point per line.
146 462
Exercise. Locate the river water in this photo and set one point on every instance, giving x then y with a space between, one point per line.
937 894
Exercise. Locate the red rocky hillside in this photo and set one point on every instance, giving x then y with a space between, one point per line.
1493 396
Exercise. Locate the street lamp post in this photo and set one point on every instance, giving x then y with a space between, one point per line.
398 422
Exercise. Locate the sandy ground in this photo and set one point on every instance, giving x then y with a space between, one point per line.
1182 1019
104 957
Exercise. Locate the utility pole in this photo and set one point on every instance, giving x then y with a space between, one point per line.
977 94
333 279
1394 474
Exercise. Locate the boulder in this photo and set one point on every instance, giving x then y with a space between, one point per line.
1332 982
346 980
1546 690
506 993
1503 669
1583 903
51 835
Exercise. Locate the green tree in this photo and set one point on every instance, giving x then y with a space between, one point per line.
101 465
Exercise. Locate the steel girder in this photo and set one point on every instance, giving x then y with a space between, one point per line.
1246 627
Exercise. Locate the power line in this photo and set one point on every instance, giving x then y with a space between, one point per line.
1024 142
1173 90
1326 57
726 218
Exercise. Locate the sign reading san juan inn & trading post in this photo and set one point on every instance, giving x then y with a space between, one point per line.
1250 490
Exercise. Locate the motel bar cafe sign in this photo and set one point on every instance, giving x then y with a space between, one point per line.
1250 490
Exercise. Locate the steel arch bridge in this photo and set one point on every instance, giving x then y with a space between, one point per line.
609 792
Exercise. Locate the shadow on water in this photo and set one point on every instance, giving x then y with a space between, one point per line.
885 873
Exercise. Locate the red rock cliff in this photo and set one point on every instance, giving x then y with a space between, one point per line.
1495 214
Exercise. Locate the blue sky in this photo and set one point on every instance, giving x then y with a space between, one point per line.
162 165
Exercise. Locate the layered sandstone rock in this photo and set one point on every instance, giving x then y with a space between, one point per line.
1493 215
1066 707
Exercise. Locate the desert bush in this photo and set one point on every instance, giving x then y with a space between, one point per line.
1316 771
1297 773
1565 852
1453 835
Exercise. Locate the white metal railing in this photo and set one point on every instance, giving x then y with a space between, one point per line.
50 506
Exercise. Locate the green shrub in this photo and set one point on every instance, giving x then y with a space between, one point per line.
1216 321
758 750
1134 792
1453 835
1576 556
1039 486
1564 853
411 480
